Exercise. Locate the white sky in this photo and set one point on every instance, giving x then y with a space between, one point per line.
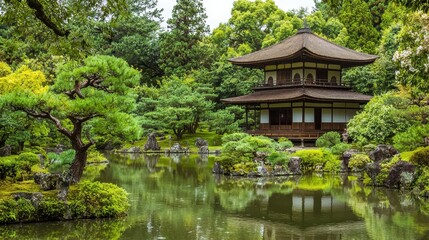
219 11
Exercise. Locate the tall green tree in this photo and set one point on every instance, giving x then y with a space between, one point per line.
85 95
356 17
180 50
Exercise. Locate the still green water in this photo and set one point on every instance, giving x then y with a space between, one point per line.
179 198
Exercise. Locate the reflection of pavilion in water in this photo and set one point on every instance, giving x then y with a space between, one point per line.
308 214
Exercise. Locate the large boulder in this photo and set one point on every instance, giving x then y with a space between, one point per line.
151 144
382 152
199 142
5 151
204 150
346 159
48 181
176 148
373 169
401 175
294 165
134 150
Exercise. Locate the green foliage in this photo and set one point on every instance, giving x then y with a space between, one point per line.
283 144
421 157
359 161
25 210
382 118
311 158
62 161
412 138
328 139
356 17
26 160
8 211
223 121
181 50
51 209
95 199
332 165
278 158
8 168
340 148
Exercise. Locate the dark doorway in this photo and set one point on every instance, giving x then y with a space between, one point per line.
318 118
281 116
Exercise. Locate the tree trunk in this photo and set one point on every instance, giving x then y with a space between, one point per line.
78 165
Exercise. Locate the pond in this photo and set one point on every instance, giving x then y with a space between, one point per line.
179 198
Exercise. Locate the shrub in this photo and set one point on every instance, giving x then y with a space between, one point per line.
26 160
51 209
359 161
328 139
340 148
421 157
8 211
283 144
25 210
314 157
278 158
8 168
332 165
95 199
412 138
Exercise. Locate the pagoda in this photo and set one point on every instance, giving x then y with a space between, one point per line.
303 94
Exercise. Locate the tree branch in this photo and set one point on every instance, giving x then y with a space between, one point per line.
47 115
41 15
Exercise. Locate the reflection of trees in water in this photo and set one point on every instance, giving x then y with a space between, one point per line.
79 229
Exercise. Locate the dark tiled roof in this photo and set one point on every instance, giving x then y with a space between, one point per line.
291 94
304 46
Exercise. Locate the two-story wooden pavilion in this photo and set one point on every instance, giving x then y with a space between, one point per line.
303 94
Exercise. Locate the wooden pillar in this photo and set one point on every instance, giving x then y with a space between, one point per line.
247 117
254 115
332 116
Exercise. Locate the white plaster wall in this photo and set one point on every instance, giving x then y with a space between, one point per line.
280 105
335 74
312 71
265 116
297 115
326 115
339 116
295 71
309 115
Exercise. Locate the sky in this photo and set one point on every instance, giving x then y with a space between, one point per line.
219 11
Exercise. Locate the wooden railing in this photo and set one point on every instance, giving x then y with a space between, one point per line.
307 82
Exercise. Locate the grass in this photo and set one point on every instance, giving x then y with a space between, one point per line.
188 140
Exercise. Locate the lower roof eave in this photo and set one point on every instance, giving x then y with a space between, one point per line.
252 102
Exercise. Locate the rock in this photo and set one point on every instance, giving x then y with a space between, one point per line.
260 156
151 143
262 171
176 148
5 151
199 142
134 150
401 175
203 150
35 197
382 152
47 181
217 169
294 165
346 159
373 169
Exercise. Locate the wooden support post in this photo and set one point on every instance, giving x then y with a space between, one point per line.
247 117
